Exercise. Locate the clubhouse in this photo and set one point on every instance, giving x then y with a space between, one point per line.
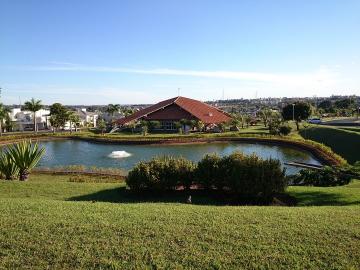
170 111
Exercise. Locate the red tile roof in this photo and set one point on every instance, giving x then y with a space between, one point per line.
198 109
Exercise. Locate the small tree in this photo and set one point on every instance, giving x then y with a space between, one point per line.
59 115
112 109
265 115
298 112
200 125
178 126
145 127
4 113
101 126
74 120
33 106
154 125
192 124
248 120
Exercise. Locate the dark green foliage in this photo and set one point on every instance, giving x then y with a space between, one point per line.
161 173
298 112
284 129
240 175
326 106
154 125
326 177
274 125
207 172
251 176
346 103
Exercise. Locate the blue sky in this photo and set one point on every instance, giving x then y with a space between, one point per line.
99 52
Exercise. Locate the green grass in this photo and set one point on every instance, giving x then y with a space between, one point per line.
346 143
50 222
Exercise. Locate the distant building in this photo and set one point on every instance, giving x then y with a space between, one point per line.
87 118
169 111
24 120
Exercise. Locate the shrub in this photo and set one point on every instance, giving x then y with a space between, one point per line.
325 177
244 176
8 168
207 171
161 173
25 156
251 176
284 130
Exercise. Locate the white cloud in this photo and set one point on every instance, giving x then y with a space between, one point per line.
323 74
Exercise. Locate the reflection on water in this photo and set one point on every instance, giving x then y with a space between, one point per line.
59 153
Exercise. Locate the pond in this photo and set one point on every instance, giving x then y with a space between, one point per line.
72 152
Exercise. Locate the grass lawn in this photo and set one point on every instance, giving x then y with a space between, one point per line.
49 222
344 142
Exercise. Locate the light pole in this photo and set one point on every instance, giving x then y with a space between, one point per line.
293 111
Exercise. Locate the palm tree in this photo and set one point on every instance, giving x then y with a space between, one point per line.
112 109
26 156
200 125
33 106
4 112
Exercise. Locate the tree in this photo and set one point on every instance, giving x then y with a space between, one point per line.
346 103
192 124
248 119
200 125
75 120
9 125
326 106
33 106
298 111
265 114
178 125
184 123
59 115
144 126
102 126
56 122
57 109
26 156
112 109
4 112
154 125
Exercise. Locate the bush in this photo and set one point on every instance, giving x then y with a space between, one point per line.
240 175
161 174
251 176
284 130
325 177
207 171
8 168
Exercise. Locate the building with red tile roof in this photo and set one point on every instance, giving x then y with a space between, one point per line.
172 110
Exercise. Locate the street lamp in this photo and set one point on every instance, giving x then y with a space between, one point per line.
293 111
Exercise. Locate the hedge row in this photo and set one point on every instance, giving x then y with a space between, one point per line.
248 176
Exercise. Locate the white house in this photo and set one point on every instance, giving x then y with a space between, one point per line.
24 120
87 118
